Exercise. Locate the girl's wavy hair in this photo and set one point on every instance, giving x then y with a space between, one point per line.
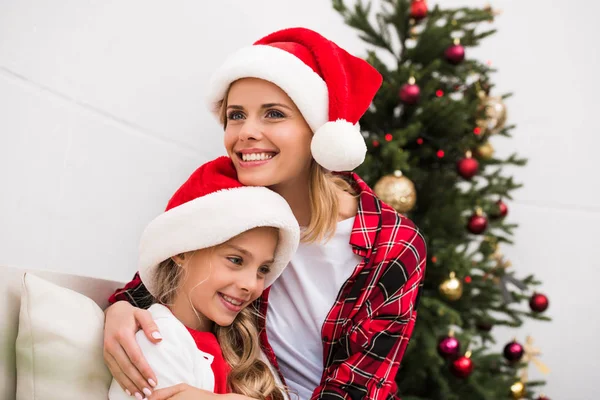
249 375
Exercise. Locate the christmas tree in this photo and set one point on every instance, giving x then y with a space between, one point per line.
428 134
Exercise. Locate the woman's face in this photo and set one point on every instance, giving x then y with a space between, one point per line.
266 136
221 281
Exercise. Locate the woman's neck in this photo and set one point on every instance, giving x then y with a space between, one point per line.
296 195
183 310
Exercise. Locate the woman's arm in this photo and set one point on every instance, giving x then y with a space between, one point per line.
377 342
122 354
171 359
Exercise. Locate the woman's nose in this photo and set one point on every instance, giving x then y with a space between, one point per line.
251 131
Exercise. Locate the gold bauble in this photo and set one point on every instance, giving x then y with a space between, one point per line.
485 151
495 114
398 191
517 390
451 288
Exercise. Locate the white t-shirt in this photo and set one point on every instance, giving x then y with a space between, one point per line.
299 302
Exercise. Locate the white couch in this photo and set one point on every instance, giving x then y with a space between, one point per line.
10 299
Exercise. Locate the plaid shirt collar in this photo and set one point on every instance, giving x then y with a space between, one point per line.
368 219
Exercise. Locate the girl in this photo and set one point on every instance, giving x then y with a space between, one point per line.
338 321
204 261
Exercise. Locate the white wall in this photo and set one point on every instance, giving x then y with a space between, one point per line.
102 117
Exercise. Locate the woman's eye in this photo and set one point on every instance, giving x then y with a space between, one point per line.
235 115
235 260
275 114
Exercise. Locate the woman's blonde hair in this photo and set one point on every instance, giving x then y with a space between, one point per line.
322 191
239 341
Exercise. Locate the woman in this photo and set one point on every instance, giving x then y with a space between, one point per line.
338 320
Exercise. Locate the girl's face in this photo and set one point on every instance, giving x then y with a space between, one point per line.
266 136
223 280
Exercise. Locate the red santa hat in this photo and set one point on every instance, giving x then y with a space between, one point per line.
331 88
210 208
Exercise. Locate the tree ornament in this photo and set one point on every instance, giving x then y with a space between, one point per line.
418 9
532 356
517 390
398 191
477 223
502 210
495 113
455 54
484 151
462 366
449 346
513 351
467 167
538 302
542 397
410 92
451 288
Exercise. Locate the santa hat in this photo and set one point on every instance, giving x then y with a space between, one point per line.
331 88
210 208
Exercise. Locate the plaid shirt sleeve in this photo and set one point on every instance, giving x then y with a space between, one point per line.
134 293
366 361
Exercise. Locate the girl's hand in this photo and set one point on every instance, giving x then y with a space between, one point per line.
182 392
187 392
122 353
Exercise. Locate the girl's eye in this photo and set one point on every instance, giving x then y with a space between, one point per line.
275 114
234 116
235 260
264 270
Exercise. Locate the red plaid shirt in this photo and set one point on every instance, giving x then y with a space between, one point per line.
368 328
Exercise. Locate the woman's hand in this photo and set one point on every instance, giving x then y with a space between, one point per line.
122 353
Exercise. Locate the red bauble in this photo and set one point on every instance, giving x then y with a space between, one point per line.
467 167
455 54
513 351
462 367
448 347
502 210
538 302
410 93
418 9
542 397
477 224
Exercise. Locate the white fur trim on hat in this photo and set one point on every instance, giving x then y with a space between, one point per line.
214 219
338 146
304 86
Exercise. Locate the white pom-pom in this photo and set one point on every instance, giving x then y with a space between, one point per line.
338 146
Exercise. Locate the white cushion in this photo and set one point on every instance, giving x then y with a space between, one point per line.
59 344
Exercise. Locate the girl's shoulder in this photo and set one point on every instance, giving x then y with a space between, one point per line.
169 326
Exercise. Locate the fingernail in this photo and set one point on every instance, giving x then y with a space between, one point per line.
128 392
138 396
151 382
156 335
147 391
